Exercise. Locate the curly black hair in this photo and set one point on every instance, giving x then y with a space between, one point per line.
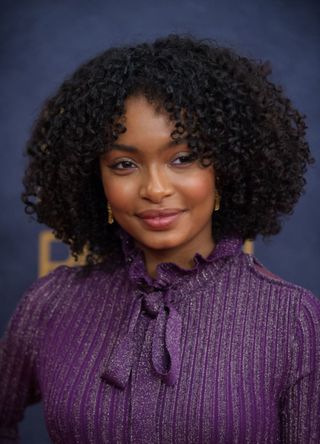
233 115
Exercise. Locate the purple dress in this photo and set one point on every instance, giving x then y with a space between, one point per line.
222 353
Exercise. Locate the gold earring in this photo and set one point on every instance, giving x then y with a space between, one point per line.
110 215
217 202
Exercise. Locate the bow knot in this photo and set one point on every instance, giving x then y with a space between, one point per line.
165 352
151 304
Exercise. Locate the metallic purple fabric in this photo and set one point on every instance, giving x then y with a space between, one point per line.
222 353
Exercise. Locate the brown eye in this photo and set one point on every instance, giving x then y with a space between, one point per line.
183 159
122 165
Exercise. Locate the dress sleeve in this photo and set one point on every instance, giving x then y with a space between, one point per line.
18 352
300 410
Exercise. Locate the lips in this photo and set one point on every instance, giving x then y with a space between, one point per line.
160 219
151 214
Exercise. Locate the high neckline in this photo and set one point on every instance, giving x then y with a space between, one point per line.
166 272
158 299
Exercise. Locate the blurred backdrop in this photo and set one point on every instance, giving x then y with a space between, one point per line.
43 41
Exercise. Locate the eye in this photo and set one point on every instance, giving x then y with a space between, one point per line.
124 164
184 159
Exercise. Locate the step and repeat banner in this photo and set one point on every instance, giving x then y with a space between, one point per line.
42 42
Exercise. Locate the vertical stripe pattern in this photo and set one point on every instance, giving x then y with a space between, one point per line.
249 355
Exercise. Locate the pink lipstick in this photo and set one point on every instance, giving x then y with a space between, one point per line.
159 219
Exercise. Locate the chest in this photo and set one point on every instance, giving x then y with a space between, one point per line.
231 368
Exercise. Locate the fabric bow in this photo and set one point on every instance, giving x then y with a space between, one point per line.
165 355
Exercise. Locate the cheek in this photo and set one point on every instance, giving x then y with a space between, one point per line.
120 193
200 189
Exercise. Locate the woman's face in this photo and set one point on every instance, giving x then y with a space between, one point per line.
158 193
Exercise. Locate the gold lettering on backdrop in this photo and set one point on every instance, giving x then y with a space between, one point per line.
248 247
47 262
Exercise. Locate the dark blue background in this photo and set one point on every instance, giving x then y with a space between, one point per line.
43 41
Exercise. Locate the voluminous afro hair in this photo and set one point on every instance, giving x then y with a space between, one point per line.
233 115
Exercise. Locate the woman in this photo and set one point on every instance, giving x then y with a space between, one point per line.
162 159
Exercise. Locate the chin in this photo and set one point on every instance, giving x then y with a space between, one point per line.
160 244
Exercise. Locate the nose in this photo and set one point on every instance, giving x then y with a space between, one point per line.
156 185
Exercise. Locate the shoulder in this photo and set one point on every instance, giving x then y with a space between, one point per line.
266 277
60 295
300 302
38 297
34 307
53 294
65 278
68 279
294 309
53 282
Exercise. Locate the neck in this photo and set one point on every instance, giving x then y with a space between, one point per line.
182 257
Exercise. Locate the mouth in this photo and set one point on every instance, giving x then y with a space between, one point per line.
160 219
149 214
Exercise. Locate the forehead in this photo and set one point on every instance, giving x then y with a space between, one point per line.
142 117
149 129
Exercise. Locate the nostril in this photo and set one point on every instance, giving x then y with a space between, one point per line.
156 191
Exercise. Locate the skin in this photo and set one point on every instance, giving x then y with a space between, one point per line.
158 174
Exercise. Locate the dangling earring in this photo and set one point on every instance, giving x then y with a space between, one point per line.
217 202
110 215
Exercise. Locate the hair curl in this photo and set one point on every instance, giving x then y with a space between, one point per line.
232 114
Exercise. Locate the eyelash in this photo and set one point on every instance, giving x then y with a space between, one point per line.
188 159
115 166
189 156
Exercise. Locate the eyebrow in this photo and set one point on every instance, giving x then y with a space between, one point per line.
133 149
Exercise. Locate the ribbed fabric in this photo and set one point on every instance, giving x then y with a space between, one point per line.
223 353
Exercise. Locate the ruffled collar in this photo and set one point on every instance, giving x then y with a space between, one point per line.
168 272
156 299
